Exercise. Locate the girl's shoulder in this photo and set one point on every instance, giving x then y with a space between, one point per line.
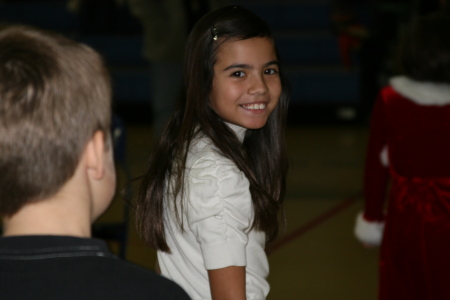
203 152
209 173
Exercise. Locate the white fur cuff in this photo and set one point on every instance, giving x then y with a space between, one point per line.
367 232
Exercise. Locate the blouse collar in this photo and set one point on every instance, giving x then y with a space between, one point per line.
238 130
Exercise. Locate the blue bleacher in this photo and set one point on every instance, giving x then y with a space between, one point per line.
309 51
327 86
131 85
51 15
117 50
302 31
293 15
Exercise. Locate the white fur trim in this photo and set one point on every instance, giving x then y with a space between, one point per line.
384 157
422 93
367 232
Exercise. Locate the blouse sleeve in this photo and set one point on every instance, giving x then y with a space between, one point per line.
219 211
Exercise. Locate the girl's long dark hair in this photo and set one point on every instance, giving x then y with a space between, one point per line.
261 157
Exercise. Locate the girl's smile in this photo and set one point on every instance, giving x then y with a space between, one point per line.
254 106
246 84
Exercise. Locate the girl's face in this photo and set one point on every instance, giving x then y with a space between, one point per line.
246 84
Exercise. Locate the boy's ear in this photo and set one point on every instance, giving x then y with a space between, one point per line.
95 152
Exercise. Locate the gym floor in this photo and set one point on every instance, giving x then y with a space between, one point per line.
317 257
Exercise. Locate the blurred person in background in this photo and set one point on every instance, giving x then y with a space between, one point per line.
408 157
166 25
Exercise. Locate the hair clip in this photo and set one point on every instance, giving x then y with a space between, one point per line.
214 32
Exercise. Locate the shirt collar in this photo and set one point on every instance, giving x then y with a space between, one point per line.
238 131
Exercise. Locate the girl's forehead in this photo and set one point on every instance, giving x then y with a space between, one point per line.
252 48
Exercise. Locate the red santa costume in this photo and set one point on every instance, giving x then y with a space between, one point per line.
409 148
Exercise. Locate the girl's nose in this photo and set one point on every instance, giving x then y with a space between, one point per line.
258 86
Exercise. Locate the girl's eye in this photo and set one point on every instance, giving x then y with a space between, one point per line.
270 71
238 74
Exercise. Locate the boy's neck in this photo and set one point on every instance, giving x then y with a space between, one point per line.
82 199
68 212
45 218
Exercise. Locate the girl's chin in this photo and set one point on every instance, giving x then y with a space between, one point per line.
254 125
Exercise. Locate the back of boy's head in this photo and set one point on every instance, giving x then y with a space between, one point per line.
54 94
424 53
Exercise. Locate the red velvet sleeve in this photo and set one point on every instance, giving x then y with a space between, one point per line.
376 176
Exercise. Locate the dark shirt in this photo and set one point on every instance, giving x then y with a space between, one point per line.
60 267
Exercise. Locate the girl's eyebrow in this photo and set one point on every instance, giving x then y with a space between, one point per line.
245 66
272 62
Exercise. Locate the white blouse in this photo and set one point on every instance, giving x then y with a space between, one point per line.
217 216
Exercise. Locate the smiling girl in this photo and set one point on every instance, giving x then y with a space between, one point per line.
210 199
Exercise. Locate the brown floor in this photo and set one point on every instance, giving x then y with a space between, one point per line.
317 257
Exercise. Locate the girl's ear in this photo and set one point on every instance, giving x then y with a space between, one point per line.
94 153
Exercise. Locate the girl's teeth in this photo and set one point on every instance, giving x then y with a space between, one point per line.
255 106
